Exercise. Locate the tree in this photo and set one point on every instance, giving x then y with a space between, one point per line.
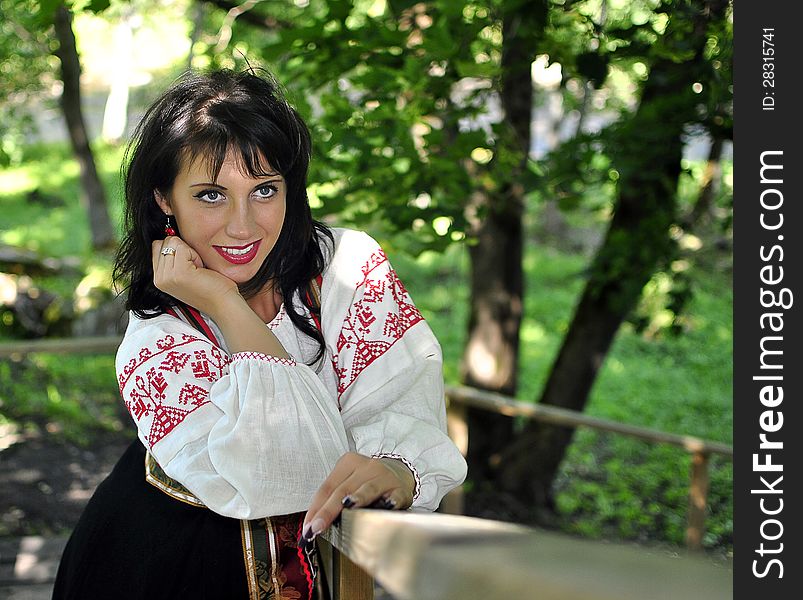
646 149
100 224
490 360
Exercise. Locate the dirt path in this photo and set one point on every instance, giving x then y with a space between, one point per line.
45 481
44 484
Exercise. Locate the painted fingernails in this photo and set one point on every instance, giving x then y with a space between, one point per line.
348 502
305 544
384 503
312 529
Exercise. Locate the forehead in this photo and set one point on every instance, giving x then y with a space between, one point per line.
209 165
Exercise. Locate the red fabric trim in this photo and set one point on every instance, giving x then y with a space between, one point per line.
163 345
290 362
206 329
304 560
319 281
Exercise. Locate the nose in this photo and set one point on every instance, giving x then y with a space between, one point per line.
240 223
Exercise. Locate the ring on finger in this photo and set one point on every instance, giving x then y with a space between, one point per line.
168 250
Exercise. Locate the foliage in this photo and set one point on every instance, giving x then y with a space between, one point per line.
26 68
55 224
74 396
589 168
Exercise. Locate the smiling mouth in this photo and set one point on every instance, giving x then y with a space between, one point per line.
239 255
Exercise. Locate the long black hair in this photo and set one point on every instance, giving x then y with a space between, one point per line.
206 115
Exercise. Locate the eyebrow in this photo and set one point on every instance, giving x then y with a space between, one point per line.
268 179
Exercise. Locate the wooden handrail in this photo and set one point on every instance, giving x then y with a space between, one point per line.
571 418
431 556
498 403
77 345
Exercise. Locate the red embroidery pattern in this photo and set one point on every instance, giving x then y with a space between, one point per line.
211 369
163 345
192 394
374 323
154 387
174 361
277 319
290 362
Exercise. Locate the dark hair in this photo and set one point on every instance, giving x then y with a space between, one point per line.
205 115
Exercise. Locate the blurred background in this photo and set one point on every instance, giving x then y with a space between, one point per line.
551 180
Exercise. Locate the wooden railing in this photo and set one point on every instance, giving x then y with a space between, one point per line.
461 397
81 345
431 556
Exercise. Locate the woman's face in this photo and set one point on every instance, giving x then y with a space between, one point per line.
233 221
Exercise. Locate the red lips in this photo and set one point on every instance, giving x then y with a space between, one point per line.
239 259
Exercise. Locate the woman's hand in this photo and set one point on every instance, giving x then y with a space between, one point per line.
183 276
359 481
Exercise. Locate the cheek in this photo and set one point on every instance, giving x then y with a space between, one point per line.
196 229
274 219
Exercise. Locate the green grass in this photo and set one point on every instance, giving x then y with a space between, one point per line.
71 396
60 230
608 485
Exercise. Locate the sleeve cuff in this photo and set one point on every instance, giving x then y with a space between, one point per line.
409 465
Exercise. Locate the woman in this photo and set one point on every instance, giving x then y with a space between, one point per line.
276 369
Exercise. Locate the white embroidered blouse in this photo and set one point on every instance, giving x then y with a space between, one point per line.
252 435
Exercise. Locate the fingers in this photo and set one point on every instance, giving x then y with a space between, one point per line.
170 257
158 252
402 495
356 481
326 503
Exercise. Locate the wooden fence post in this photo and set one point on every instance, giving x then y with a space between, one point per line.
698 494
457 428
350 582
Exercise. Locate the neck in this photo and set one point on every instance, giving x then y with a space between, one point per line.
266 303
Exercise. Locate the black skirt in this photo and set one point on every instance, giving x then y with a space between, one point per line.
134 542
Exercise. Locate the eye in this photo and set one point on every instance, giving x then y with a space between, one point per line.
266 191
209 196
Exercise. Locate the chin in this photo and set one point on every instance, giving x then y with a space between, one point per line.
240 274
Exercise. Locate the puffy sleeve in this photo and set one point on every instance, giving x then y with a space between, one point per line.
250 435
388 366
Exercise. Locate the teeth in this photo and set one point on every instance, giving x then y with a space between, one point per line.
236 252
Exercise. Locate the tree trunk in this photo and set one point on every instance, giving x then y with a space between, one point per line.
648 154
94 193
490 361
701 214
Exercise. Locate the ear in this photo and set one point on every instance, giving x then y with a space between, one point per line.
163 202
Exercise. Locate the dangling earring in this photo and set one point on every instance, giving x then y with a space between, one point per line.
169 228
